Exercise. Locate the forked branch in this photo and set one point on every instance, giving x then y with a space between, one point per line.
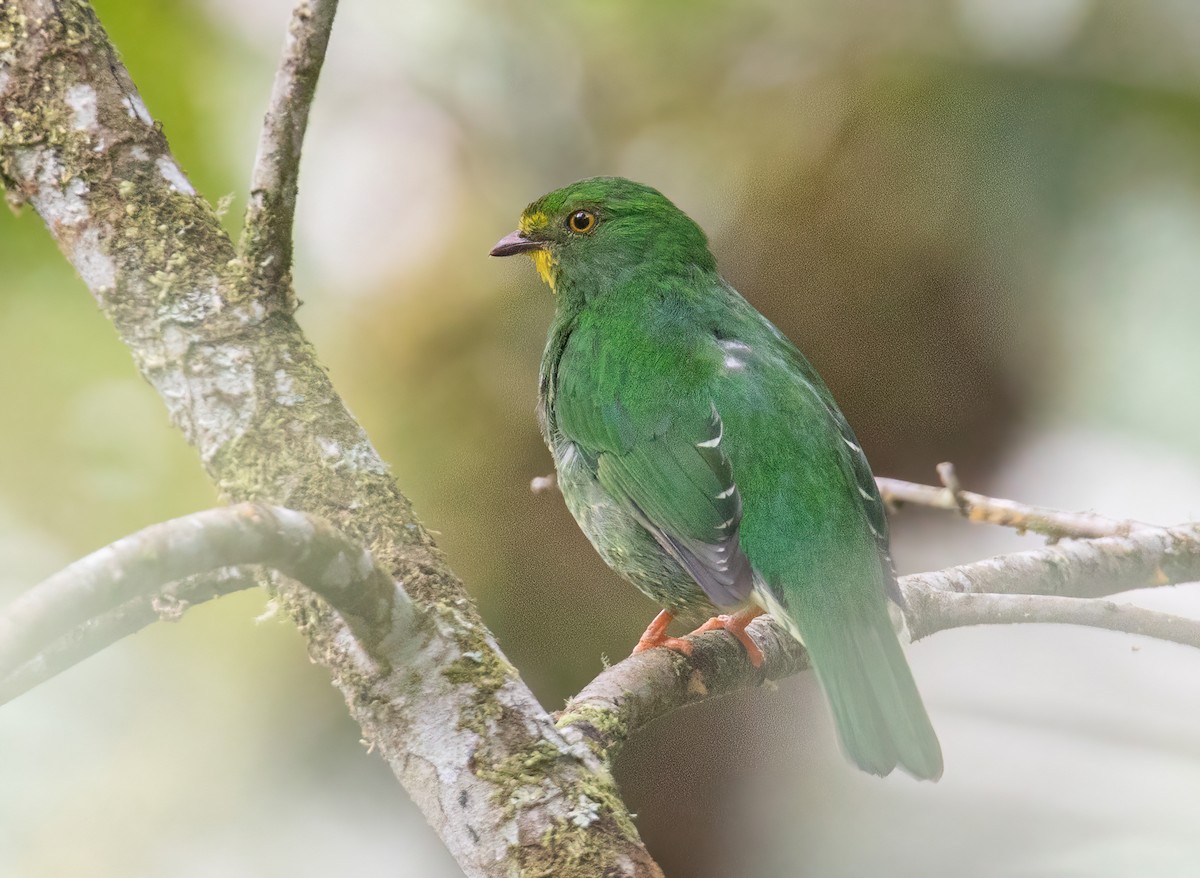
1062 584
508 792
244 385
266 243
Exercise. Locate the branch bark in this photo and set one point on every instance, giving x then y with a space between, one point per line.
510 792
457 725
1052 523
306 550
1060 584
266 244
101 632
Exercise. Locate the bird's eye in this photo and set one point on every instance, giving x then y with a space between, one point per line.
581 222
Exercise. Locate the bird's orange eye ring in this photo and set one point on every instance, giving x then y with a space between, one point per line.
581 222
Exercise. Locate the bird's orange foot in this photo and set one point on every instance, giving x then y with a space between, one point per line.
736 625
656 635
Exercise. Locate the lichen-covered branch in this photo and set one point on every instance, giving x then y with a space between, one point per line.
96 634
140 566
266 244
456 724
1060 584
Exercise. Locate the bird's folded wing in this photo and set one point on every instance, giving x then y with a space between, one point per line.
679 484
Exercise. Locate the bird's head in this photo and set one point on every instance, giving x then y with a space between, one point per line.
589 236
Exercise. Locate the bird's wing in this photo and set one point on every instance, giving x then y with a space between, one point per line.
857 470
674 476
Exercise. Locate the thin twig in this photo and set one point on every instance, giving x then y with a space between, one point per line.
627 696
95 635
141 565
949 478
979 508
266 244
951 496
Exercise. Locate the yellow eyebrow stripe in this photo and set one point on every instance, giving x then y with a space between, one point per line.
532 221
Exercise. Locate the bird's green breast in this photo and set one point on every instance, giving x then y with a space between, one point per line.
604 362
640 368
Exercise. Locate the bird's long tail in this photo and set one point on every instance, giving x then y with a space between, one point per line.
878 711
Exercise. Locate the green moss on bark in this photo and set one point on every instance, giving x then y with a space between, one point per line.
246 389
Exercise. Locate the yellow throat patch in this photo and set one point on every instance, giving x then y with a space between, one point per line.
544 263
542 260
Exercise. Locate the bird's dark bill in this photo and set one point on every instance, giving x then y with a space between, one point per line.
514 243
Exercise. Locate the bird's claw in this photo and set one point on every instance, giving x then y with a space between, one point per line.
656 635
736 624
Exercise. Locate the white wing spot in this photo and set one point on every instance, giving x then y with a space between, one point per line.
853 447
732 348
716 440
866 495
728 492
568 454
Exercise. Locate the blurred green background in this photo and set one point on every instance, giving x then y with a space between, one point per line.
980 219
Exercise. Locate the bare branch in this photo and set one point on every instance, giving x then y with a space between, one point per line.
129 618
266 244
1079 568
141 565
944 611
642 688
1005 513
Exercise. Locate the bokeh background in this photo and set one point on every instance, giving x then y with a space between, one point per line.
980 219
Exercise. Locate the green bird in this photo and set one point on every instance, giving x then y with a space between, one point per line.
707 462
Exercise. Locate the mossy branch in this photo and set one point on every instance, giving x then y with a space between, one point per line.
244 386
266 244
509 792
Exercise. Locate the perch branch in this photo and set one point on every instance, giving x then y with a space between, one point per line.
95 635
266 244
243 384
1058 584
